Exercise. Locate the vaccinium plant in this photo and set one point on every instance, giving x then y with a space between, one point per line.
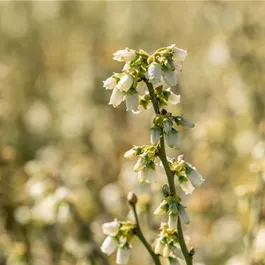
146 80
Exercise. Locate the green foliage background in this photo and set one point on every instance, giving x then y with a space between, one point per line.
57 128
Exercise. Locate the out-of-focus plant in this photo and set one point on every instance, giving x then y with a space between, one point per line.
147 80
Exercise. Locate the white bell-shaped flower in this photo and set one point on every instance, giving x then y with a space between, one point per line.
130 154
147 175
178 54
132 102
109 245
116 97
141 88
166 251
172 221
111 228
195 177
159 246
172 139
154 73
167 125
140 164
123 255
125 83
110 83
125 55
170 78
183 214
186 185
155 134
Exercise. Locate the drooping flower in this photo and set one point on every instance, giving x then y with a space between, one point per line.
126 55
130 154
109 245
172 139
167 125
186 185
166 251
182 121
116 97
125 83
111 228
195 177
155 134
132 102
178 54
154 73
147 175
141 88
110 83
172 221
170 78
123 255
140 164
183 214
159 246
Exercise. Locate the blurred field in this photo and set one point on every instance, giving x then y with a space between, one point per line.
61 141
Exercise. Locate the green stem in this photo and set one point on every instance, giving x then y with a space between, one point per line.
185 251
141 237
170 176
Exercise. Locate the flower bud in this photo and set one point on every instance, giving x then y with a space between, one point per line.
125 55
172 139
172 221
140 164
155 134
166 251
109 245
195 177
158 247
111 228
162 208
170 78
110 83
123 255
186 185
181 121
173 98
130 154
167 125
116 97
132 102
154 73
125 83
132 198
183 214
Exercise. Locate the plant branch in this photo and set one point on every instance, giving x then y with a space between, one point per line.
141 237
170 176
186 253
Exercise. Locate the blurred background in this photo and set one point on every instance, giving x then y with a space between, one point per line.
62 170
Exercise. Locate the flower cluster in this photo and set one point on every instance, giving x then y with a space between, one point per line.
119 235
159 69
145 165
167 245
147 80
186 174
172 206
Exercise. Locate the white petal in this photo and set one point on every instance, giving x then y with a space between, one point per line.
123 255
186 186
196 178
132 102
125 83
172 221
179 54
116 97
183 214
111 228
154 73
166 251
109 245
141 88
140 165
173 139
110 83
158 247
130 154
170 78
